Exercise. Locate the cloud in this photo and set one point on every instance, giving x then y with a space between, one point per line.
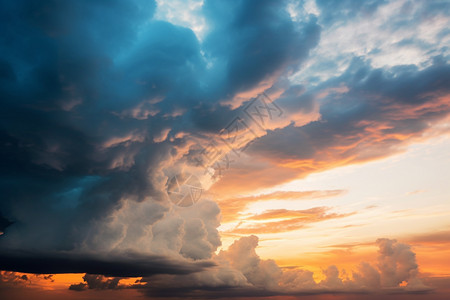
396 262
12 279
98 282
119 265
388 33
3 224
231 207
343 11
250 50
379 108
259 277
100 112
70 187
283 220
379 113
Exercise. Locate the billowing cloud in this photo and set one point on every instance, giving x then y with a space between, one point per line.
241 272
103 103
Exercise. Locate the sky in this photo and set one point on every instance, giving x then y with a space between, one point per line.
241 149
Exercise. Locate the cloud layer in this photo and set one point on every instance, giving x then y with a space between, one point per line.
240 272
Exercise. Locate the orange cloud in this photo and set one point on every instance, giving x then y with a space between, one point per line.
287 220
232 206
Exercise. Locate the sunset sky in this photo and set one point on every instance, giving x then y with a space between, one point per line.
206 149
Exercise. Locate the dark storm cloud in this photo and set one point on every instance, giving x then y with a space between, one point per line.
254 40
68 154
123 265
88 90
4 223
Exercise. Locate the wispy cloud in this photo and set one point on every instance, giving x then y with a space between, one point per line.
283 220
231 207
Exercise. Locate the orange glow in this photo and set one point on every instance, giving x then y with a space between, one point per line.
231 207
284 220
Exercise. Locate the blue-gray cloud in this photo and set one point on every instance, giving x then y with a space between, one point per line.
376 112
88 90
